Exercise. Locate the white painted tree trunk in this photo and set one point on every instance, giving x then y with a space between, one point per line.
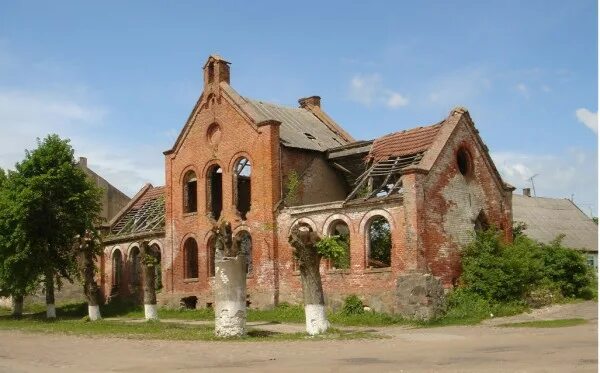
230 296
316 319
17 306
94 313
151 311
50 311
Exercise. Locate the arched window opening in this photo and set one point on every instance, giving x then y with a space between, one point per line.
211 247
190 249
340 230
241 182
481 223
155 251
243 240
190 192
214 189
380 243
463 160
117 270
135 268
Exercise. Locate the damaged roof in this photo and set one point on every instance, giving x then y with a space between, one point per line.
144 214
299 127
546 218
403 143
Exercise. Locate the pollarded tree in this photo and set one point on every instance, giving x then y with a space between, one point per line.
150 261
89 248
54 203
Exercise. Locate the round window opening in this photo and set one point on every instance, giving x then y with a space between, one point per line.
214 134
463 159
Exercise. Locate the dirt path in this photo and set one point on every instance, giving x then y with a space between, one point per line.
449 349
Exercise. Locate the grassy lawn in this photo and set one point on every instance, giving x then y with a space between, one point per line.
545 323
71 324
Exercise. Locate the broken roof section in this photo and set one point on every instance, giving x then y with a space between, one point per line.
144 215
403 143
300 128
546 218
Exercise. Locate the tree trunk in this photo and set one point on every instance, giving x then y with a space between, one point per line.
312 287
230 284
50 307
17 305
149 261
90 287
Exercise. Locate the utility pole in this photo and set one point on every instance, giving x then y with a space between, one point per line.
532 184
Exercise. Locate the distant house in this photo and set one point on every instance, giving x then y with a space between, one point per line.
113 200
546 218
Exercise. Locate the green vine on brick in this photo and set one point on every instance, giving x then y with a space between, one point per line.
292 188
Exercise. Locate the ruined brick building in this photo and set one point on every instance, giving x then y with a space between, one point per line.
403 204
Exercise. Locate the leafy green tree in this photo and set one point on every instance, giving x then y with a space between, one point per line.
50 204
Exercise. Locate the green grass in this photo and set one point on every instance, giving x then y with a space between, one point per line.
546 323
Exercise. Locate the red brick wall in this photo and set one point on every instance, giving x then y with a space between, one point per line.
239 137
452 201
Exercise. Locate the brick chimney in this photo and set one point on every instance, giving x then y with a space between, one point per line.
527 192
216 70
83 161
310 101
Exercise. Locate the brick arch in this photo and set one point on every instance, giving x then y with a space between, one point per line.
235 158
371 214
241 227
129 248
159 245
307 221
113 249
332 218
209 164
186 169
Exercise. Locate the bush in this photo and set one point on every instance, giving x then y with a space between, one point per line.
353 305
499 272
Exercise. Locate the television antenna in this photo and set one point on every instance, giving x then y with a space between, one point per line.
533 184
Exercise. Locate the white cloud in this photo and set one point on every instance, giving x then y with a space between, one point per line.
396 100
588 118
27 115
522 89
369 90
572 172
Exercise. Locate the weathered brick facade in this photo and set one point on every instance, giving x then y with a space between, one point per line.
304 169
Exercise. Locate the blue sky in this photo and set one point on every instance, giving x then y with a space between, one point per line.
120 78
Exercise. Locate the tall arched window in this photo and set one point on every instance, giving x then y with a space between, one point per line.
190 250
135 266
244 242
380 243
190 192
117 269
214 189
340 229
241 184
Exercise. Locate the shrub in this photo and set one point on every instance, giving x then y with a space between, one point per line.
353 305
499 272
567 269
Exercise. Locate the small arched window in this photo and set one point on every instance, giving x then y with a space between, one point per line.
244 242
379 243
214 189
135 267
241 183
340 229
190 192
190 250
117 268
